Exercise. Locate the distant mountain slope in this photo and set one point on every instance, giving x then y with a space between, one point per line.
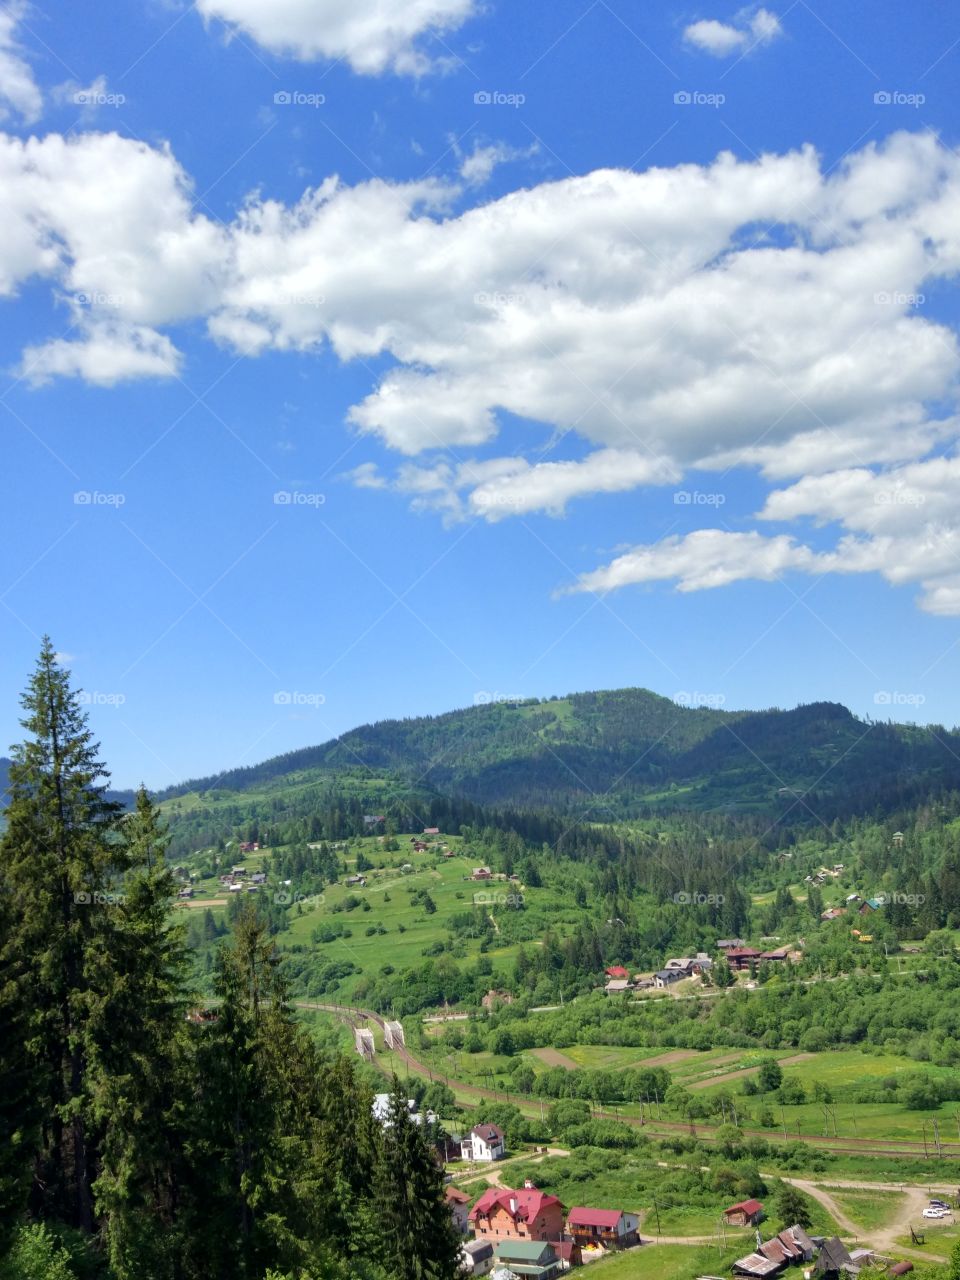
625 750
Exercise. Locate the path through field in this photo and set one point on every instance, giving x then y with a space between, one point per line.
554 1058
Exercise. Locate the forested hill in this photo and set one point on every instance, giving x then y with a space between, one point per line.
630 749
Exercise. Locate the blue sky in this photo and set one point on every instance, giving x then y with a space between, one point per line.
560 399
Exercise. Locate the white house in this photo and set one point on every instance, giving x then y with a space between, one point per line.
484 1142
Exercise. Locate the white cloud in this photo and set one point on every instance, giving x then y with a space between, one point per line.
706 558
477 167
371 35
107 354
19 93
640 313
748 30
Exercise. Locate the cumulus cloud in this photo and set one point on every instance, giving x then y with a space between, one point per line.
373 36
748 30
477 167
642 315
19 93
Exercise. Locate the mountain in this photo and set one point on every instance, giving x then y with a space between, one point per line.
619 753
126 798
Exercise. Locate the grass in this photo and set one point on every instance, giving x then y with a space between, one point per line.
664 1262
869 1209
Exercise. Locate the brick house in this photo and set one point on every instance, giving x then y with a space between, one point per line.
527 1214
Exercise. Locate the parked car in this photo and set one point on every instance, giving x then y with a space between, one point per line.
939 1204
935 1213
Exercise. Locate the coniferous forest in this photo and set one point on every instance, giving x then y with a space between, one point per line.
139 1139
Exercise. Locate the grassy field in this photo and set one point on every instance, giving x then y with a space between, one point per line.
664 1262
870 1209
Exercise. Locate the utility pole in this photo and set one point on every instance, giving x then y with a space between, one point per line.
656 1209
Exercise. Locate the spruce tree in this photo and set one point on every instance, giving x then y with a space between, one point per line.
418 1238
58 863
138 1063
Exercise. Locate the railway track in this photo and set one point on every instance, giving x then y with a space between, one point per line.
840 1145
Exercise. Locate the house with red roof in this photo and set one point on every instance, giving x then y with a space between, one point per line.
526 1214
742 957
457 1201
602 1228
746 1213
617 971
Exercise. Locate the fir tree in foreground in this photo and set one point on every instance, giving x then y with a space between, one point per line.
136 1144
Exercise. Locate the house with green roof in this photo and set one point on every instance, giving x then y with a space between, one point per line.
534 1258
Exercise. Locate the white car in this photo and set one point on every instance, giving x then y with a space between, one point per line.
936 1213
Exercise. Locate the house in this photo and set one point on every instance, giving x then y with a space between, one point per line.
359 881
603 1228
477 1258
643 981
484 1142
457 1202
236 888
691 967
775 957
431 831
667 977
238 871
897 837
726 943
617 971
745 1213
755 1264
481 873
372 819
249 846
792 1245
833 1261
872 904
418 846
618 986
258 877
742 957
185 893
182 873
833 913
527 1214
535 1258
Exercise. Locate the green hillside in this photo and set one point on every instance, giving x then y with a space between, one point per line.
619 753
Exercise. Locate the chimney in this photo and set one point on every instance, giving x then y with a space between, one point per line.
513 1206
